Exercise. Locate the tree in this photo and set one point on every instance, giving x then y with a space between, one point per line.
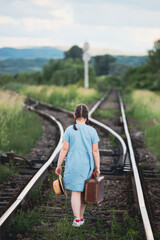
63 72
74 52
154 57
117 69
102 64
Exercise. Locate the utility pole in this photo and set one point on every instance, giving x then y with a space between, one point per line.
86 58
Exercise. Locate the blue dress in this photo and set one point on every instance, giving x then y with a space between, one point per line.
80 162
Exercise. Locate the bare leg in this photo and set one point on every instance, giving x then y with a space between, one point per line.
76 203
83 205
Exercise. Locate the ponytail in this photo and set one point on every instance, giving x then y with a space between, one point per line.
81 111
87 121
74 126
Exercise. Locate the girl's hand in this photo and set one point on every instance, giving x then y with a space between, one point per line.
58 170
97 173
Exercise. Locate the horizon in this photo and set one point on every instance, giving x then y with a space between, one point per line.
92 51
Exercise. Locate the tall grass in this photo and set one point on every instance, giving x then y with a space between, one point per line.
66 97
19 129
145 107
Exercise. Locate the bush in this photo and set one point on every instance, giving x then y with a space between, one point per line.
64 72
104 83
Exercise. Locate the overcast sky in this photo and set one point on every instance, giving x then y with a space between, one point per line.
127 25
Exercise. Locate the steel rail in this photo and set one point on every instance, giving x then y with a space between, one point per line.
38 174
32 182
124 148
143 210
108 128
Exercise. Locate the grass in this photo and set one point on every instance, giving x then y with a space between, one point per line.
25 221
106 113
6 171
34 223
145 107
66 97
19 129
40 222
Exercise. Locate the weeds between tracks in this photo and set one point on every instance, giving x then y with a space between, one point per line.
39 222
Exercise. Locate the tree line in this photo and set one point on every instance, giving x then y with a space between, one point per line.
147 75
104 72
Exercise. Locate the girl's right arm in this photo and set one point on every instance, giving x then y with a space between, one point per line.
62 155
96 156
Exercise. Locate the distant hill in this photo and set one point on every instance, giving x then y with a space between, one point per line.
131 60
14 66
36 52
14 60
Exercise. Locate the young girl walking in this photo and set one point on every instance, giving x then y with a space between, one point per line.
81 147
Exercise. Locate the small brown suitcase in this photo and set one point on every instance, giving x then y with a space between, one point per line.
94 190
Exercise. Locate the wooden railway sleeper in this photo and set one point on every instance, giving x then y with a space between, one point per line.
13 159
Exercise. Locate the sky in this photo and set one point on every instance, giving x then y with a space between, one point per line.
125 25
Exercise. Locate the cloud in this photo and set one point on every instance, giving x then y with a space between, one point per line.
8 20
42 3
115 15
123 38
25 42
37 24
138 4
124 25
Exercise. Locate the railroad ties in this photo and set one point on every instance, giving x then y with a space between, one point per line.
119 187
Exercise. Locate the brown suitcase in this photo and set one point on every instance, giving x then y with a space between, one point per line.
94 190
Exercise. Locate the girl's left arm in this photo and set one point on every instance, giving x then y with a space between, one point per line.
62 155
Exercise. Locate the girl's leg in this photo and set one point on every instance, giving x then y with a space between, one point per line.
83 205
76 203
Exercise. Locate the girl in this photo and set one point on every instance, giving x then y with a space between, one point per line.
81 144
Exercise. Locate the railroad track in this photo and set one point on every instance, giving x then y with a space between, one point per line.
120 186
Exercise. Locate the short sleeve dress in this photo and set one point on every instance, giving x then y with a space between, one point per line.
80 162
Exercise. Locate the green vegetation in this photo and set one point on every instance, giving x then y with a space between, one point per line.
128 230
131 60
37 194
146 76
63 72
67 97
104 83
6 171
144 106
25 221
19 129
35 223
106 113
102 64
40 221
57 72
118 69
15 66
74 53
